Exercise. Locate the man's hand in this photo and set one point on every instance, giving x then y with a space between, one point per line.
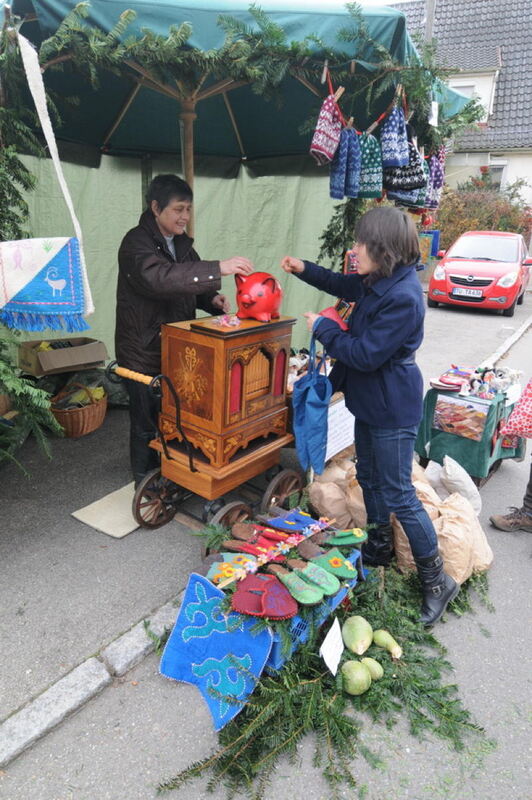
311 319
238 265
290 264
220 302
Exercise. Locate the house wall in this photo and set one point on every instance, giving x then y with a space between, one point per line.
484 87
460 167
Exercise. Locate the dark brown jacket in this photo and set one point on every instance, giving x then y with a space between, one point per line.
154 289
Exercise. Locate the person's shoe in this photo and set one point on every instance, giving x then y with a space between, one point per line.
517 520
438 588
378 550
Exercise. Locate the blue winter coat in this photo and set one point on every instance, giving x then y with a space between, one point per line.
375 367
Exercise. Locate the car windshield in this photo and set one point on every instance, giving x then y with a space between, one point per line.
491 248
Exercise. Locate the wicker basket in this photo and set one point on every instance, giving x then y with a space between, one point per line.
80 421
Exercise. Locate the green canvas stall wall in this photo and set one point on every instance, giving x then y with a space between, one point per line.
263 218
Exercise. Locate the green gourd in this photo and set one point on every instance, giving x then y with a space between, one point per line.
384 639
356 677
357 634
375 669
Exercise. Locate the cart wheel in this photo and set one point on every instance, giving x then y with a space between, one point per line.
287 483
271 473
211 507
236 511
155 500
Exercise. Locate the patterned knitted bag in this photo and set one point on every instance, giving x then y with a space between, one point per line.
519 423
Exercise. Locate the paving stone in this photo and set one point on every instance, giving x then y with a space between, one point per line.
50 708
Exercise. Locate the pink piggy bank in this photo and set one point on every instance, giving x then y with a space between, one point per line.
258 296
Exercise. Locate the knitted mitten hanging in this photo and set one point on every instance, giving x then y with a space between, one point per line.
337 175
370 167
354 162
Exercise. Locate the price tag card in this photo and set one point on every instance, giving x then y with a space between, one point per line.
333 647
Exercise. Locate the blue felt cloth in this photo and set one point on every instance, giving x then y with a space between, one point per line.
42 285
216 652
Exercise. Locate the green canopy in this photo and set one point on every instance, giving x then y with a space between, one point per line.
132 114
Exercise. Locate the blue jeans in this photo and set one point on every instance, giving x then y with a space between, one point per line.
384 471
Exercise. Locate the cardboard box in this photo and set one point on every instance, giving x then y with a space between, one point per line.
84 354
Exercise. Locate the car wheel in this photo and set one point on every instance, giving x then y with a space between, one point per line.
432 303
509 312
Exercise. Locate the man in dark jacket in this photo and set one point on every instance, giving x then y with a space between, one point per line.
160 279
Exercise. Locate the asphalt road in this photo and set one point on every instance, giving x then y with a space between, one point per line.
67 590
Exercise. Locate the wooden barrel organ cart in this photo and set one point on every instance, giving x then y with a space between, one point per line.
223 419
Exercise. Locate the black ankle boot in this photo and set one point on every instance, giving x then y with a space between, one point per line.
438 588
378 550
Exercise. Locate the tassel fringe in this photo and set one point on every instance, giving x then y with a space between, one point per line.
23 321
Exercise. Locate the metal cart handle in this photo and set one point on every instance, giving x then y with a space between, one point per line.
155 384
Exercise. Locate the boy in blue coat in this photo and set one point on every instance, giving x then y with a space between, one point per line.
376 370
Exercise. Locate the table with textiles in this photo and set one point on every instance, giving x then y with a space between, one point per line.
468 430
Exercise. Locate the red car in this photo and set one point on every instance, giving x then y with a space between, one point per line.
482 269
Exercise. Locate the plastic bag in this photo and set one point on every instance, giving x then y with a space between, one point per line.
455 479
433 472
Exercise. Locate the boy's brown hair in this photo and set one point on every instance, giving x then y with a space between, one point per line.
390 237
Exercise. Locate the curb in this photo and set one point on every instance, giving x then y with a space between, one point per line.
50 708
501 351
84 682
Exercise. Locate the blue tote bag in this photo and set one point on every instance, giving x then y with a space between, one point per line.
310 402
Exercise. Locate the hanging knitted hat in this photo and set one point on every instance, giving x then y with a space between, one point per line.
327 134
338 171
394 142
370 167
406 178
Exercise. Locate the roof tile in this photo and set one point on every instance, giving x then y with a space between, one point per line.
468 34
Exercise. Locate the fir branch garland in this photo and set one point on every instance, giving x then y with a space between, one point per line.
305 698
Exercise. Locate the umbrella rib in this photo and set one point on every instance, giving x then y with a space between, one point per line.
233 123
122 113
308 85
155 84
219 88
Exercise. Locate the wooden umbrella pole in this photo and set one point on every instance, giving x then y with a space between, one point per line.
187 117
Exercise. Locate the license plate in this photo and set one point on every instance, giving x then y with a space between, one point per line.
467 292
